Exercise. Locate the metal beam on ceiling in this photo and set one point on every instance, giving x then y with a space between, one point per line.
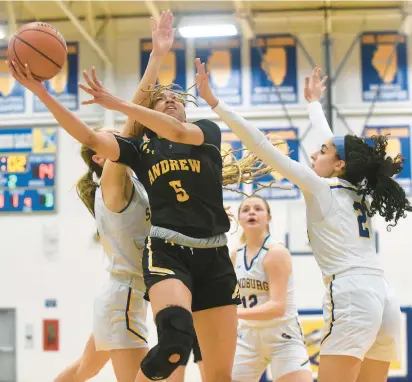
83 32
11 15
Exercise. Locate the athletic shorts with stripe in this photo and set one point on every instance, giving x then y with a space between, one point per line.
207 272
281 346
362 318
120 314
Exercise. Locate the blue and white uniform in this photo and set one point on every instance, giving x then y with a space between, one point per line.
120 310
362 314
277 342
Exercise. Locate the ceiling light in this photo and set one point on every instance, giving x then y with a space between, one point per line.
211 30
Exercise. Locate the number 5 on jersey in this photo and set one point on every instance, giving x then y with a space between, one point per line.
363 227
181 194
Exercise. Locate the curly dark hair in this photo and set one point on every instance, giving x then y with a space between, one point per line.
369 169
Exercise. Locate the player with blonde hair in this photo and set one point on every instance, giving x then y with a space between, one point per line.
269 332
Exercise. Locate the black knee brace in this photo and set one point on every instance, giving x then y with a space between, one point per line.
175 332
197 355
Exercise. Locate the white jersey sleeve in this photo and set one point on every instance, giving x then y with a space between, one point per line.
315 189
319 123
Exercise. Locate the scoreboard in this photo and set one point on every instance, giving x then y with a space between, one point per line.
27 169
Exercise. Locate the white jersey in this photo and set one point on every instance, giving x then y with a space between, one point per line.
123 234
344 239
254 285
339 229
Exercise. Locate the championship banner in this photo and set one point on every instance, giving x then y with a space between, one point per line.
273 62
399 142
64 86
312 326
173 68
223 61
291 146
12 94
384 67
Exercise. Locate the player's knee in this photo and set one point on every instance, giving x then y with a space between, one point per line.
175 340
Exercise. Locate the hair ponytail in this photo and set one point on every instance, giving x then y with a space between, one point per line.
86 186
371 170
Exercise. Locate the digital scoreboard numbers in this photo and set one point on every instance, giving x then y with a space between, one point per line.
27 169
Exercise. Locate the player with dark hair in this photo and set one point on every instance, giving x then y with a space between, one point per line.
349 182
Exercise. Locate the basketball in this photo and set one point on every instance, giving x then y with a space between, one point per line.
41 46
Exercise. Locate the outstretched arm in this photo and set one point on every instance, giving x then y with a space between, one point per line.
162 124
117 187
255 141
314 89
104 144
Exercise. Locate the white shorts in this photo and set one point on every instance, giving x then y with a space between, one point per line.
362 318
281 346
120 315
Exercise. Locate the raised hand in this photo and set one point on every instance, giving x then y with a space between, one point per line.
101 96
203 84
314 86
162 34
24 76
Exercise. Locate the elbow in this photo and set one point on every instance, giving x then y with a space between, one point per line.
178 132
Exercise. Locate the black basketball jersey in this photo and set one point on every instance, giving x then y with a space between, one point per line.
184 182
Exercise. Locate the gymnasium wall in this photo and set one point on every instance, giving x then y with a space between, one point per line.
54 256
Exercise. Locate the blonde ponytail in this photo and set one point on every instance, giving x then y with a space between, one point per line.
86 186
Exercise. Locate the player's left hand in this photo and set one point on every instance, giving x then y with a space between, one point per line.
203 84
314 86
101 96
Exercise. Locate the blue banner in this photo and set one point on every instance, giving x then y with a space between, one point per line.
223 61
27 169
291 146
384 67
64 86
273 63
173 68
399 142
12 94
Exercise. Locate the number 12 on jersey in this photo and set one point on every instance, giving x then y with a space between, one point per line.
363 227
252 300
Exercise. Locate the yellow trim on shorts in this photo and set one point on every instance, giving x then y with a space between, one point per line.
129 323
236 292
327 335
152 269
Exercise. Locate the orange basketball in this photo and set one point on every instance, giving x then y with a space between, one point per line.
41 46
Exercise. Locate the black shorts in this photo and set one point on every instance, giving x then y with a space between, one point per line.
207 273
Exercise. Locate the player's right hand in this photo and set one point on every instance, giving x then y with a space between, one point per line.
314 86
203 84
24 76
162 34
